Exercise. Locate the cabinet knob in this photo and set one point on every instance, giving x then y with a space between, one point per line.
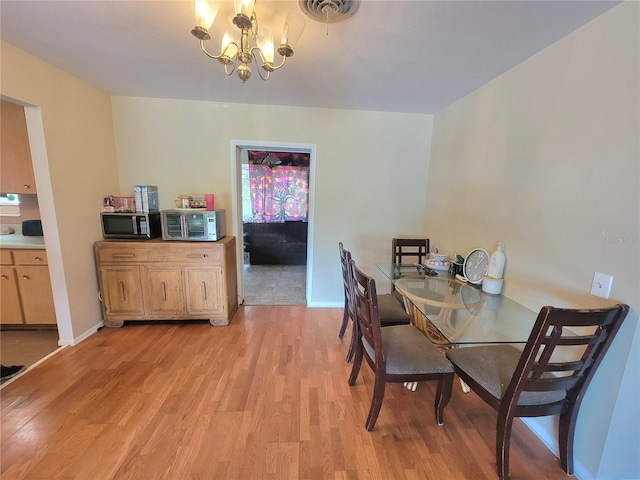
5 277
27 186
26 277
38 259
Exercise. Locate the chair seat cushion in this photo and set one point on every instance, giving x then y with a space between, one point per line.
492 366
408 351
391 311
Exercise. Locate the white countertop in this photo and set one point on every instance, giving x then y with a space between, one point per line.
17 240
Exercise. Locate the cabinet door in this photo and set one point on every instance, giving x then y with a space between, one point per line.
122 290
15 153
6 258
10 311
36 294
205 290
164 294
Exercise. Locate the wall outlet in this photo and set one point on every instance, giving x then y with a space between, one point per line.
601 286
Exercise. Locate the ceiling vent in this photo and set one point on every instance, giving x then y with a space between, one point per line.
329 11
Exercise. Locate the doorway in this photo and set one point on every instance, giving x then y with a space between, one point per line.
273 201
27 345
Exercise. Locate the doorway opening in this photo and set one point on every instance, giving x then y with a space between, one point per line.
29 340
274 185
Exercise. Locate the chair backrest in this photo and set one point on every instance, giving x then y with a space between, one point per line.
415 248
347 278
366 311
538 372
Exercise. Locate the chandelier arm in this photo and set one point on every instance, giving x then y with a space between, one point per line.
215 57
284 59
268 74
260 56
226 69
222 54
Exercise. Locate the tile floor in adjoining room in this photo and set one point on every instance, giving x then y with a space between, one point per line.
26 347
275 284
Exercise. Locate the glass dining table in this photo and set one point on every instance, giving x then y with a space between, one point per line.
451 312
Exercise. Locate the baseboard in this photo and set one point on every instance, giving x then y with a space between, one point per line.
579 471
326 304
86 334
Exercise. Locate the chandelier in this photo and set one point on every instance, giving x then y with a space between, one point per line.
236 52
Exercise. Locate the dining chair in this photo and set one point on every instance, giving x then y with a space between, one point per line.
396 354
391 311
404 250
414 248
549 377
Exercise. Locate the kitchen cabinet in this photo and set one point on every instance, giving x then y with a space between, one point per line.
164 291
15 153
121 289
10 309
27 298
162 280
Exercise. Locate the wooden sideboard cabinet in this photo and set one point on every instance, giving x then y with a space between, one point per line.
27 298
15 153
167 280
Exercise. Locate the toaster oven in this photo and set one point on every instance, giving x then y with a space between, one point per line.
199 225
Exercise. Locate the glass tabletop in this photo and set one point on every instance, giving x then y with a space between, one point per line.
461 312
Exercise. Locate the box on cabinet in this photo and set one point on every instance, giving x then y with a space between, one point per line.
146 198
123 204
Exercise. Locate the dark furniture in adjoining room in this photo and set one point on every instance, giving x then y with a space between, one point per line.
283 243
399 353
543 379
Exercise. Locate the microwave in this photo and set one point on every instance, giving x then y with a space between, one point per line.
130 225
203 226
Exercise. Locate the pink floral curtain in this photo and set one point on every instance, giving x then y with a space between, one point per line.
279 193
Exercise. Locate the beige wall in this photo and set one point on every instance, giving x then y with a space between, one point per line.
74 162
370 169
545 158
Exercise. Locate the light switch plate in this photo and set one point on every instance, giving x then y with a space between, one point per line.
601 286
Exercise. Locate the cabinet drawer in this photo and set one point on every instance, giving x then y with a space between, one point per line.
166 253
204 255
5 257
161 254
30 257
127 255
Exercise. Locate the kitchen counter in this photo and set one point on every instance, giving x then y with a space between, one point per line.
18 241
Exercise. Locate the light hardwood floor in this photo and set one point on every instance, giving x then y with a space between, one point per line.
263 398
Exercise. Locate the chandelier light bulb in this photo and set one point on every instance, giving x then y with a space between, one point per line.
205 12
228 48
293 28
265 44
244 12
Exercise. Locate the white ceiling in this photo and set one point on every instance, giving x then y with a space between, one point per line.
394 55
